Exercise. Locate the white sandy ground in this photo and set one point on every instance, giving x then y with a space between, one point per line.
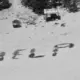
65 66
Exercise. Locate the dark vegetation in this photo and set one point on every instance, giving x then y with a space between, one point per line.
4 4
39 5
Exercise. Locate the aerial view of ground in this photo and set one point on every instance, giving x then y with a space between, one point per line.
39 50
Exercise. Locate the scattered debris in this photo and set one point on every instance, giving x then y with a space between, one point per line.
32 55
71 45
1 58
63 25
55 52
64 45
16 52
2 54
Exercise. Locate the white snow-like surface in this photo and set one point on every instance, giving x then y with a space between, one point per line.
65 66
